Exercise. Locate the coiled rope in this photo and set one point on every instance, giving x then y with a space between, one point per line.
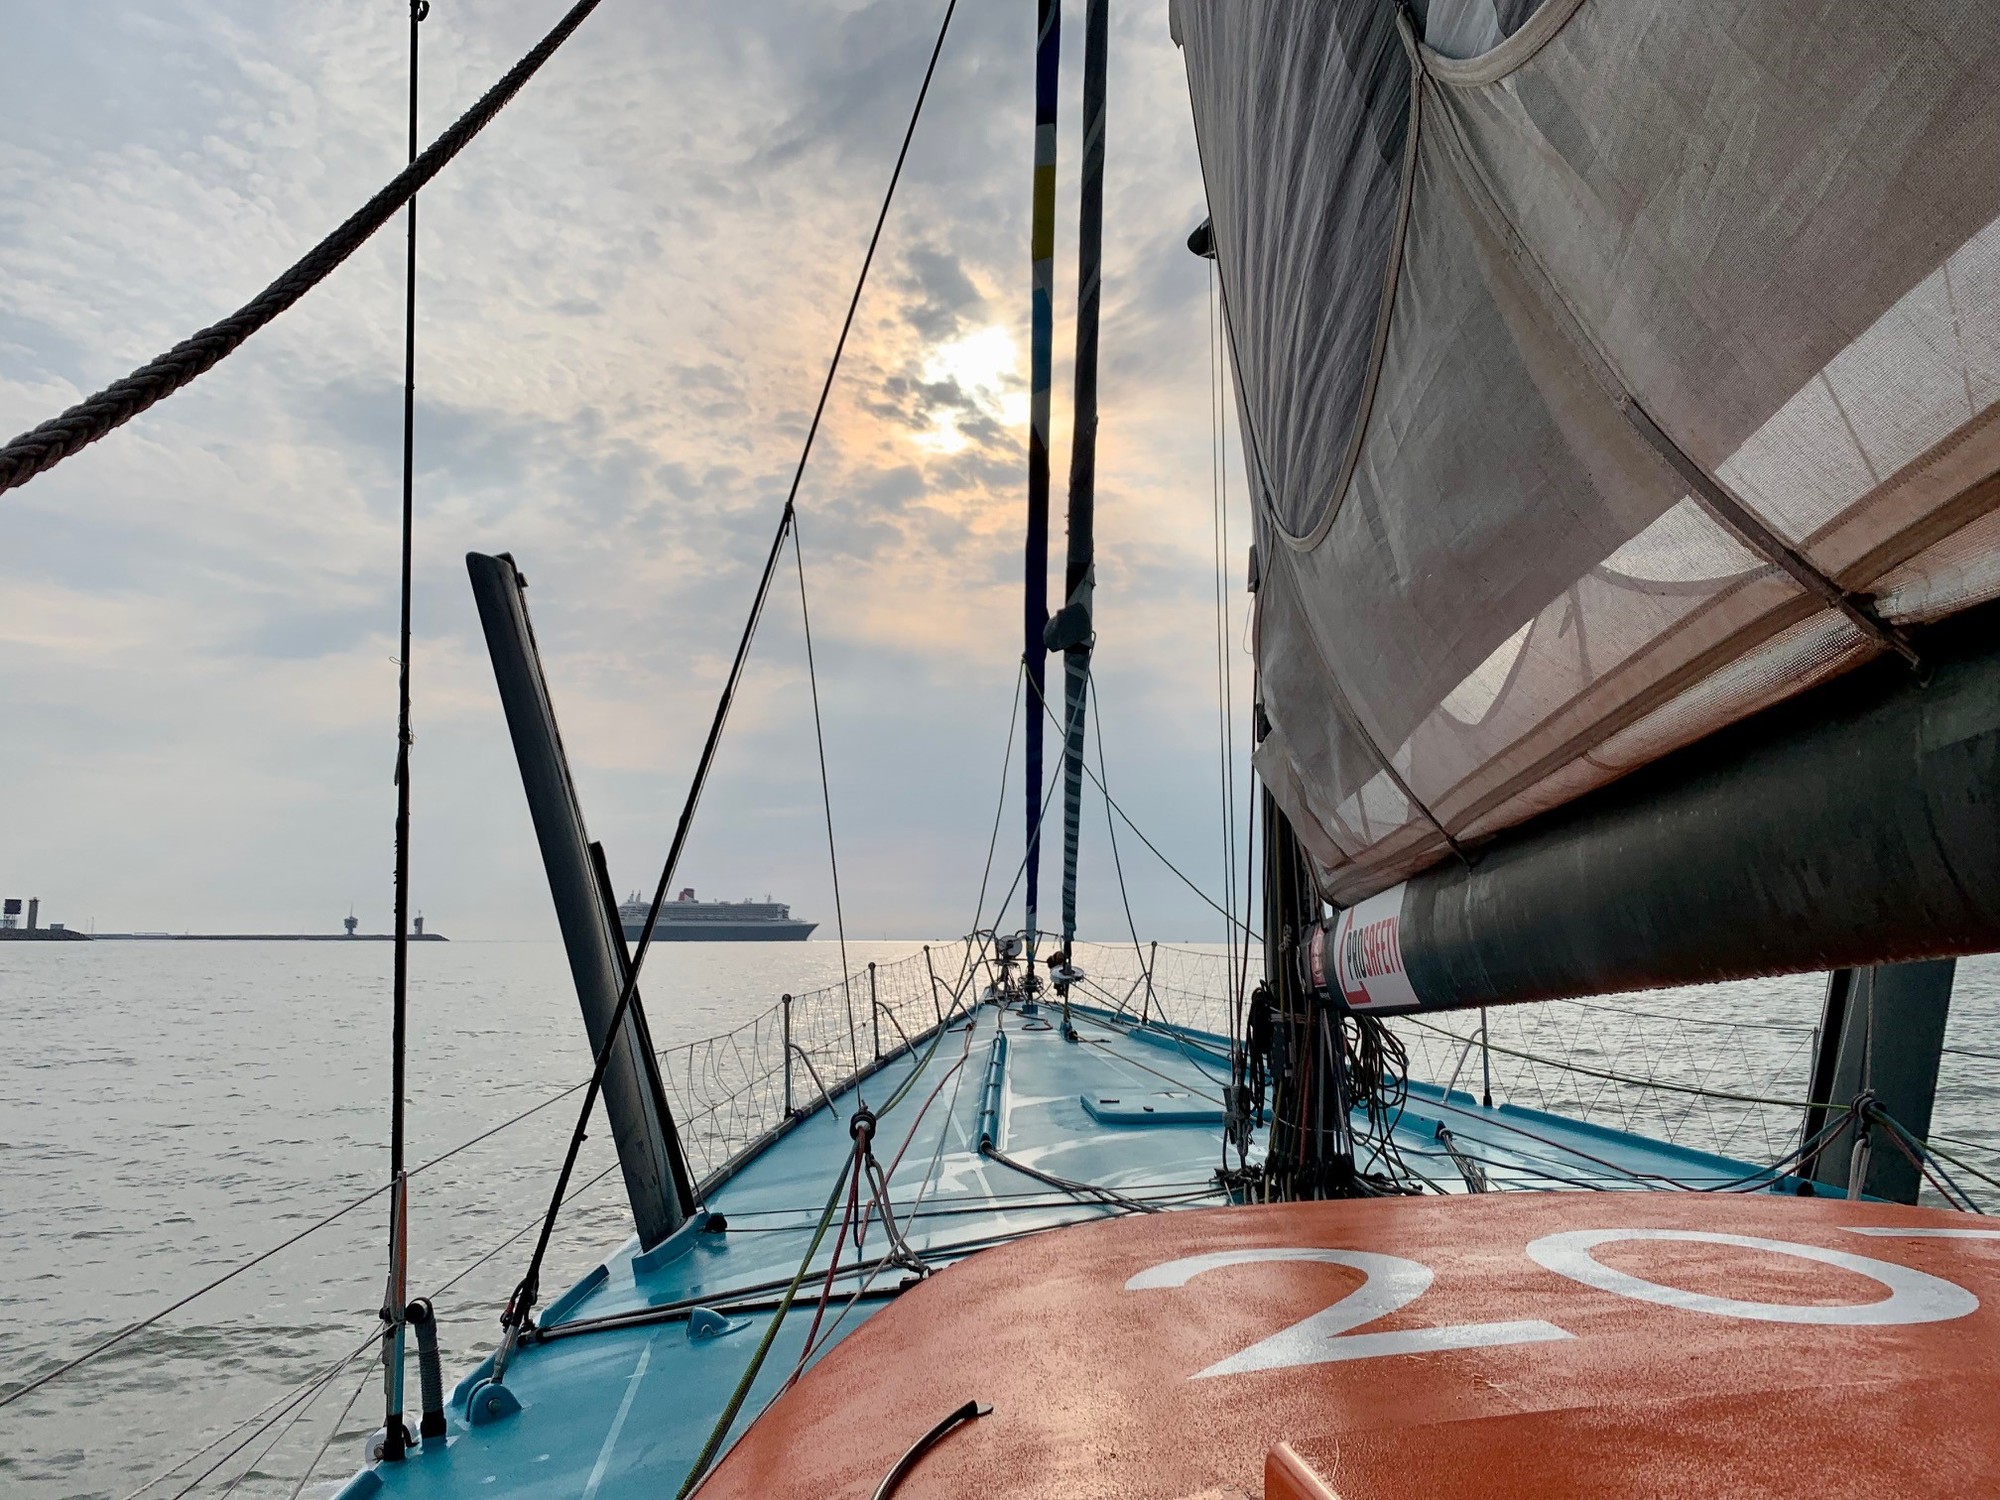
42 448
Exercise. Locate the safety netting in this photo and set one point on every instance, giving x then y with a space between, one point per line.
1600 387
729 1092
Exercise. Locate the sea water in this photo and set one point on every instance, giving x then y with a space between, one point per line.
171 1109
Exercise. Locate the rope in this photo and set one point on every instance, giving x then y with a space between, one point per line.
394 1301
1904 1142
258 1259
736 1397
1076 1189
41 449
1000 806
332 1433
1117 864
1963 1166
281 1403
268 1409
1626 1078
957 1070
1048 800
1225 687
1789 1027
826 798
1155 848
522 1304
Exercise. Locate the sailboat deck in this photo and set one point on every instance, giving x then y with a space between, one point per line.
618 1399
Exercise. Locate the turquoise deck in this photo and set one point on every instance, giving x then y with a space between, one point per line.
614 1412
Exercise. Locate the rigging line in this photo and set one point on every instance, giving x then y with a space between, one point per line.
895 1233
1666 1085
826 803
268 1408
847 1226
262 1412
291 1421
1251 807
1897 1138
1155 848
310 1390
1048 800
42 448
1218 535
1117 864
966 960
1963 1166
399 985
1110 1197
736 1397
529 1286
575 1194
1000 807
257 1260
332 1433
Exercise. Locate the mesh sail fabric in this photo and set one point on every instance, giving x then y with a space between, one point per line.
1769 229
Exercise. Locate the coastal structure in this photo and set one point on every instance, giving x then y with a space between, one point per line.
13 927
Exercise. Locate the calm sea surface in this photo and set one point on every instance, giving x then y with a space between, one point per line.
168 1110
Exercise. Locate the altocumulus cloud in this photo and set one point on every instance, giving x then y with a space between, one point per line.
629 287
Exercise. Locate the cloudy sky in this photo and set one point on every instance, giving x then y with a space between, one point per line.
629 286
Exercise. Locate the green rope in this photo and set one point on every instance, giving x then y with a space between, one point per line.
785 1305
742 1391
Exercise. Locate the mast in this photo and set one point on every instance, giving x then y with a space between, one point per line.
1071 631
1035 595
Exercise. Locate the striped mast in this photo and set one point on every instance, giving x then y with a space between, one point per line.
1072 631
1042 249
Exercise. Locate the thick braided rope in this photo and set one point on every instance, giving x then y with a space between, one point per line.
44 447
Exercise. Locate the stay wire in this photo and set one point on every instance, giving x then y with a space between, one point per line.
1000 806
1126 818
1111 828
306 1393
528 1290
265 1414
43 447
826 803
399 986
1219 535
1048 800
275 1407
366 1198
332 1433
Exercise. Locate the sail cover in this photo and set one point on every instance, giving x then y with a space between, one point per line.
1608 370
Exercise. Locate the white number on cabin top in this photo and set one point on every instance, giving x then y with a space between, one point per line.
1327 1336
1393 1283
1914 1296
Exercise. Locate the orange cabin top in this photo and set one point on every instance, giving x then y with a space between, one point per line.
1495 1346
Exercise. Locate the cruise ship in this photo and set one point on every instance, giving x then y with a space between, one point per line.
686 920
